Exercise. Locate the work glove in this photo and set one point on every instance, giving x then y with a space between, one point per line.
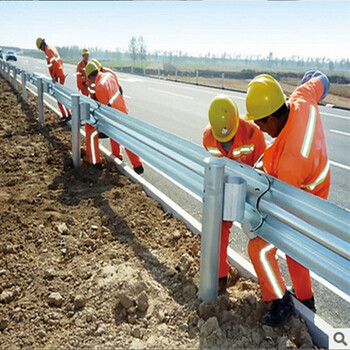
313 74
310 74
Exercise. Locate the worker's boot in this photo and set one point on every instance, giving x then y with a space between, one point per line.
280 311
223 283
309 303
139 170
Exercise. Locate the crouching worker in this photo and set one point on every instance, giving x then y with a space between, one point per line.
298 156
105 89
227 135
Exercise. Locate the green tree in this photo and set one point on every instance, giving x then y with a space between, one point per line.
133 49
141 49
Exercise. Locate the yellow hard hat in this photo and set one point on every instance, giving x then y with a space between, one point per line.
98 64
223 118
39 42
90 68
85 52
264 97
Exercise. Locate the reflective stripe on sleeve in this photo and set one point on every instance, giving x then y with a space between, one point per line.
269 272
114 97
319 179
309 134
104 79
49 65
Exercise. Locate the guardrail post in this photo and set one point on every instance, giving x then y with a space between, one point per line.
39 85
214 178
197 73
235 192
144 71
15 79
121 68
132 69
158 73
175 74
222 80
46 87
8 72
24 85
76 152
84 111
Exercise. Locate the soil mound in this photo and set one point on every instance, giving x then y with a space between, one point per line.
87 260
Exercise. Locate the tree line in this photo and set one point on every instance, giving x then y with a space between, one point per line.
137 55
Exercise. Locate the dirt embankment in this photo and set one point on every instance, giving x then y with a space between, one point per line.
87 260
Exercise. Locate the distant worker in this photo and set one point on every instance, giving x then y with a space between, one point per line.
298 156
106 91
227 135
82 82
55 65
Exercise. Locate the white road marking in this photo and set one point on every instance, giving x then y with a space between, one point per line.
335 115
37 67
42 75
131 80
198 89
340 132
171 93
339 165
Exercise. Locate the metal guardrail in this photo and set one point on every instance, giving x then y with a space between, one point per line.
311 230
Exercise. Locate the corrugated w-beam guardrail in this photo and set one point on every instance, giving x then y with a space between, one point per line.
314 232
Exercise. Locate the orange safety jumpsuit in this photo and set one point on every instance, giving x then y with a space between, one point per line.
107 92
298 157
81 78
247 147
55 65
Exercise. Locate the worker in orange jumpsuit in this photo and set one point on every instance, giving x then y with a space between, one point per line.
80 73
106 91
298 156
227 135
55 65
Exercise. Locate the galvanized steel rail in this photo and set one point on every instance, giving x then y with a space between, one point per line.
311 230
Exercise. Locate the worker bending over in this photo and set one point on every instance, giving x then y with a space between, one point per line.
107 70
55 65
227 135
105 89
298 156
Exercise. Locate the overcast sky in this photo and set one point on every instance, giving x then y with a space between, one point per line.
302 28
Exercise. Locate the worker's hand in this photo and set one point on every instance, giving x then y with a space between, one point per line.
316 73
308 75
54 79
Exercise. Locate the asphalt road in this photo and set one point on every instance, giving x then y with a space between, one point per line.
182 110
